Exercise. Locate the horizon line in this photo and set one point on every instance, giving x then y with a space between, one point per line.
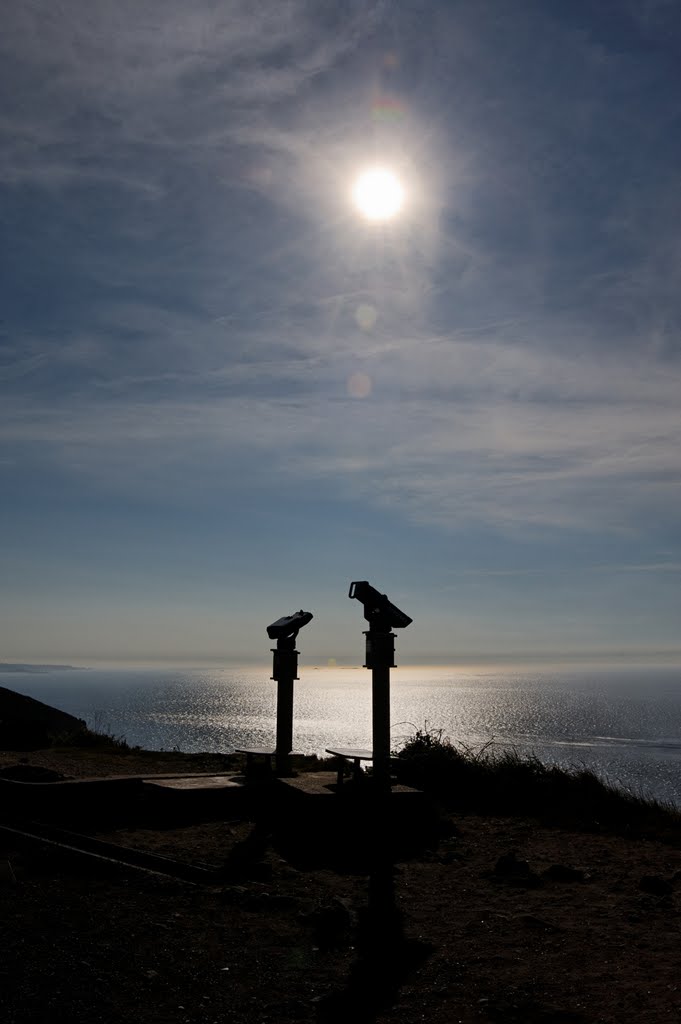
463 662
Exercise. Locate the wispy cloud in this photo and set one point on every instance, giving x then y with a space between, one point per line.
453 432
117 87
190 306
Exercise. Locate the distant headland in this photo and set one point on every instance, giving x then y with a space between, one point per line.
10 666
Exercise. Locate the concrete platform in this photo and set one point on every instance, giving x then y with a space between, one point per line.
123 798
316 822
194 782
194 797
324 784
309 814
67 797
320 784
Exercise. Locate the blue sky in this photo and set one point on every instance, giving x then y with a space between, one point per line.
225 395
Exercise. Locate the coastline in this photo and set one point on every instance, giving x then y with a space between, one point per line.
612 723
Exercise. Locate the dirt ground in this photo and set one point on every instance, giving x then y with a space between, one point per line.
502 920
88 762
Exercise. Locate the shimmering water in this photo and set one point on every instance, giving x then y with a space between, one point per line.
625 724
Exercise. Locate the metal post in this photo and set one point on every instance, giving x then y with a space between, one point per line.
380 651
284 726
285 671
380 695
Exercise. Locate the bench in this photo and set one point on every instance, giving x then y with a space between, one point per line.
258 760
350 756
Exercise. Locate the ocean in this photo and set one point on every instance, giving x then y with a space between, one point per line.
625 724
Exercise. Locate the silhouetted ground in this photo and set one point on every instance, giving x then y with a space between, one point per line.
27 723
504 920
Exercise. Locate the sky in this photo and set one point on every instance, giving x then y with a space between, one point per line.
226 394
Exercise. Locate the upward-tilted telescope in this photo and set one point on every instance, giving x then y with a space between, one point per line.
383 616
378 610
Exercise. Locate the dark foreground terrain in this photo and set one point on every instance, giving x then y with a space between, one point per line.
501 919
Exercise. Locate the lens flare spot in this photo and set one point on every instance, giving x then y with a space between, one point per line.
366 316
359 385
260 176
387 108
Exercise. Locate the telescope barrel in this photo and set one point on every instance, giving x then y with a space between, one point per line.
377 607
288 625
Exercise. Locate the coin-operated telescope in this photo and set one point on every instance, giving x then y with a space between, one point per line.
285 671
377 607
383 616
288 625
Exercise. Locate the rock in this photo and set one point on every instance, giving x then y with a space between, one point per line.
655 885
509 865
531 881
565 873
516 872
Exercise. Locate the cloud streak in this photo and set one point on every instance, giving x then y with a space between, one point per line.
165 79
499 434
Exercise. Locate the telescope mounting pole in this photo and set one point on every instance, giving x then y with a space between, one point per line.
284 671
380 658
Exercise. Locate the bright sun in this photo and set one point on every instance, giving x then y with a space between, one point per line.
378 194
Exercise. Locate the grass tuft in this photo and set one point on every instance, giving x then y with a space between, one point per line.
509 783
92 739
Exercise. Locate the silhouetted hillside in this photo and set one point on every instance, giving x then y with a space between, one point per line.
28 724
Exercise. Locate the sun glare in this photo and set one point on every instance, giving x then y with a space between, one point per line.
378 194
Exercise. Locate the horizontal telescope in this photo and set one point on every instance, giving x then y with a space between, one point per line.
285 671
288 625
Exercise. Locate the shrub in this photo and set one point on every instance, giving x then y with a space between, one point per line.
507 783
91 739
